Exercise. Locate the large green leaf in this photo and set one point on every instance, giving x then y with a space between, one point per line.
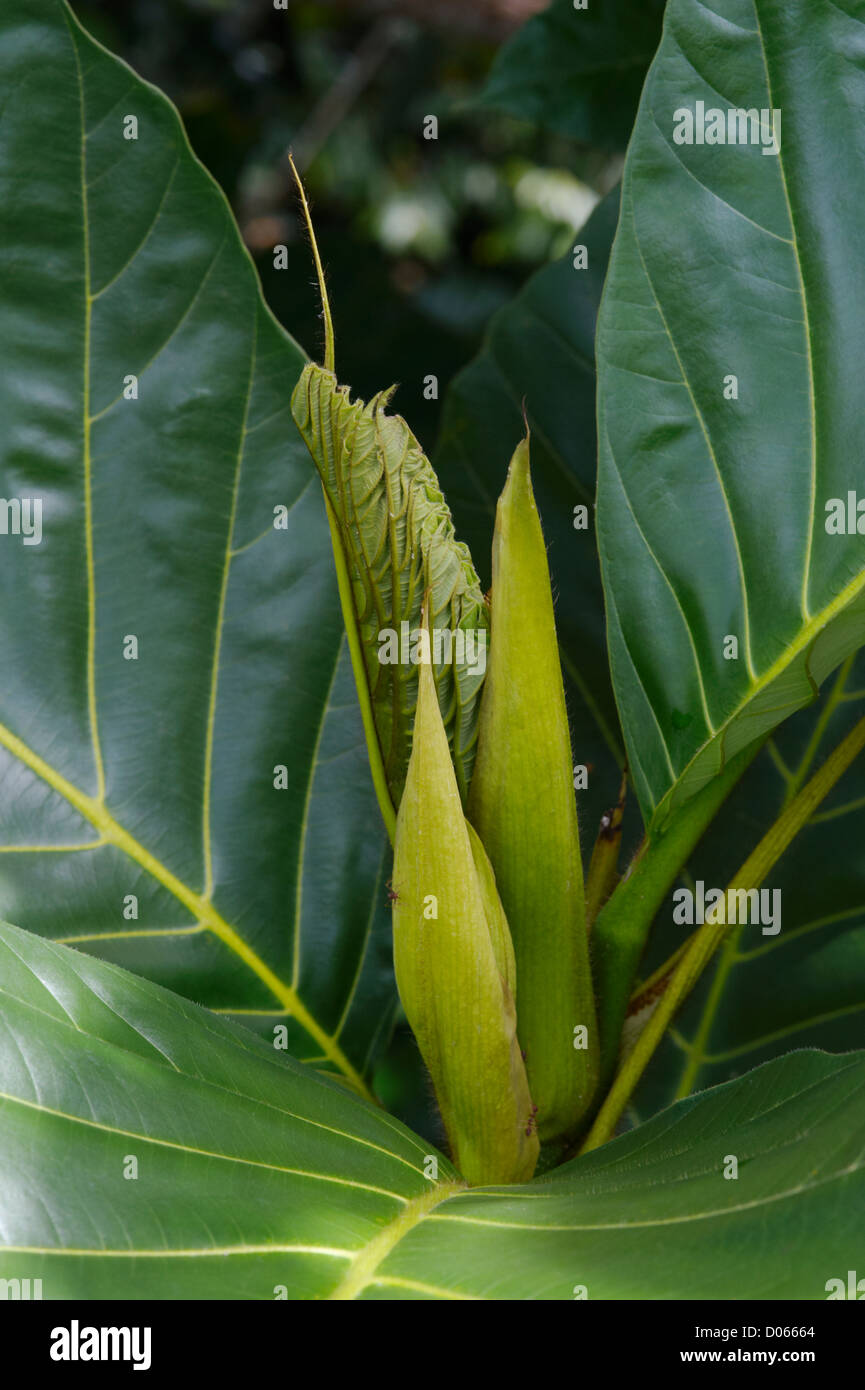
155 777
254 1179
541 347
712 511
578 71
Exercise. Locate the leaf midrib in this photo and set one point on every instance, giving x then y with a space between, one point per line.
370 1257
87 424
661 1221
806 323
158 1142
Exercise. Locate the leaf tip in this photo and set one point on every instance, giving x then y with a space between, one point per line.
329 357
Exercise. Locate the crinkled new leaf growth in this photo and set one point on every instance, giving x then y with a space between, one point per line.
447 967
398 541
522 805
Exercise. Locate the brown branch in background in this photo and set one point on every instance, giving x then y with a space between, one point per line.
392 24
263 226
487 19
375 46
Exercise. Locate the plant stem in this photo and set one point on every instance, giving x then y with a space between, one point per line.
704 943
652 981
694 1061
319 270
622 926
836 695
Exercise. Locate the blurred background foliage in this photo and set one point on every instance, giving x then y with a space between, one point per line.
424 239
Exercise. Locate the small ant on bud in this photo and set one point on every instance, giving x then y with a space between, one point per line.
392 894
533 1121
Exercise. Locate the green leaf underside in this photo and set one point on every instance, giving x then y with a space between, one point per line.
712 512
154 778
578 71
255 1176
398 539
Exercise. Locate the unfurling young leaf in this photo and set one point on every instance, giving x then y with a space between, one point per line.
446 954
522 805
393 539
398 540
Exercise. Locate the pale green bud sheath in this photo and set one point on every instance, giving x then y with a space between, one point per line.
454 996
503 946
522 805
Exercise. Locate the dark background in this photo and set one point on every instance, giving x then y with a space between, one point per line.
422 239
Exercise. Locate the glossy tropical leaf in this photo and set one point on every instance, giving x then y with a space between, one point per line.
251 1172
175 639
541 347
151 1150
397 539
579 71
713 493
